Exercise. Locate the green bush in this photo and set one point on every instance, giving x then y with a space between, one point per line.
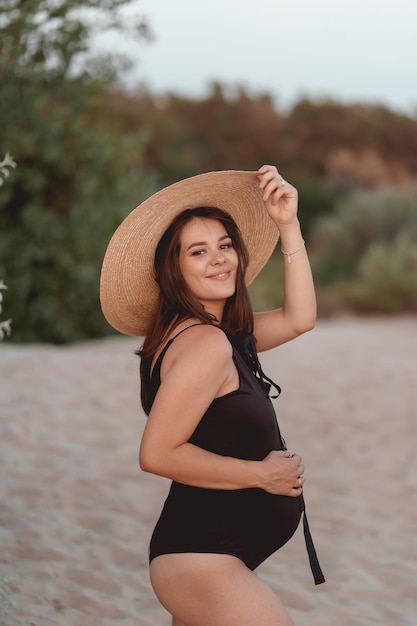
366 252
316 198
56 218
387 278
266 291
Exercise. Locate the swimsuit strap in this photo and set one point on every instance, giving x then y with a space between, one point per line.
251 356
311 550
157 367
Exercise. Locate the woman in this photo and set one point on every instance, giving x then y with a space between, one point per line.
236 495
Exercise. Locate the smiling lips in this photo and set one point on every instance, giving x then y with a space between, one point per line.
220 275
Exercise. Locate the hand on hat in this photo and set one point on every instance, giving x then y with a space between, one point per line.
280 198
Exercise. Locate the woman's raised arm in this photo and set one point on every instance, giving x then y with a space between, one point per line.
298 313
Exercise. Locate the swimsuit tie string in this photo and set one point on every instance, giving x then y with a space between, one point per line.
251 357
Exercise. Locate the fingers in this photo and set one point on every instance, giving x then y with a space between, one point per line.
295 458
297 489
265 169
300 482
273 193
285 475
271 183
274 186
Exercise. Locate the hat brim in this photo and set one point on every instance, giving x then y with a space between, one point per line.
128 291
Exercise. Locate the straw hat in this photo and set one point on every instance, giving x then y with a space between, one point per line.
128 290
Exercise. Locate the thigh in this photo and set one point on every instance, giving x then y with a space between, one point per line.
214 590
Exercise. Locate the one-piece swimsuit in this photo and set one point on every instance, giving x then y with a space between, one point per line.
251 523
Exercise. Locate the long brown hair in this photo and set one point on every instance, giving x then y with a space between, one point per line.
177 303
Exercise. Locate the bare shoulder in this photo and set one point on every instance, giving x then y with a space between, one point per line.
199 345
203 339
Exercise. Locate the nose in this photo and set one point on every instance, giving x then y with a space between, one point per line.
218 258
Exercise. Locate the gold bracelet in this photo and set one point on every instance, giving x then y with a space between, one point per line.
289 254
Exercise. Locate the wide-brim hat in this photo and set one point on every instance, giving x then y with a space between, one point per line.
128 290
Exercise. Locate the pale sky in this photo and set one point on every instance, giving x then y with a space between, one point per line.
352 50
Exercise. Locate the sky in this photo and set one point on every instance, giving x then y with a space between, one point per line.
349 50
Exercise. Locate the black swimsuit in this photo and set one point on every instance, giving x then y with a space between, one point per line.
250 524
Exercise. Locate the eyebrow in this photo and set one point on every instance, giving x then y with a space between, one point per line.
204 243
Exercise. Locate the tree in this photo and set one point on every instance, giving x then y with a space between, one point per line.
54 35
76 178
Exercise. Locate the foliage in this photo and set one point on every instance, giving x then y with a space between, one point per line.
354 145
8 161
327 149
367 251
185 137
76 178
5 325
40 35
88 153
267 290
347 146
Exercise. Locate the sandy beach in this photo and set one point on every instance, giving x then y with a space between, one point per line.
76 512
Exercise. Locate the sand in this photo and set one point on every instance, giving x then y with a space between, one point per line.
76 512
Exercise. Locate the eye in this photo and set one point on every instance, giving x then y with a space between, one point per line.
226 246
197 252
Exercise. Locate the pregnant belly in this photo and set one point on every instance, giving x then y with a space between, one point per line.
271 522
249 523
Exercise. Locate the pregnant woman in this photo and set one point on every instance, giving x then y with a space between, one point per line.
176 272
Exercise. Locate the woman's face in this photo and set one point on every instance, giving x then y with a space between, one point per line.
208 263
